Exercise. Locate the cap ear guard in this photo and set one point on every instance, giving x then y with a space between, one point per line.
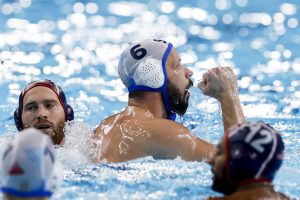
149 73
19 123
70 113
142 67
18 120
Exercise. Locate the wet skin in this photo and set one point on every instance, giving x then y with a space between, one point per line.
42 110
179 83
143 130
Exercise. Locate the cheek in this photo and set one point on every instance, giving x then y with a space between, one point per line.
177 71
27 117
58 114
57 111
174 73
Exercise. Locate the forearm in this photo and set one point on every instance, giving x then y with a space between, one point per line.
198 150
232 111
205 151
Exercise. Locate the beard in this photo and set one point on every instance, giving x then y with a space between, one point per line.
179 100
221 184
58 132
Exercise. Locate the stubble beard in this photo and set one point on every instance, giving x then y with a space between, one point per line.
179 101
58 132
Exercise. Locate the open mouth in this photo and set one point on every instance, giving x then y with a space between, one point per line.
187 90
43 126
187 93
188 87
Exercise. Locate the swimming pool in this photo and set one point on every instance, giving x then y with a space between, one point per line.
77 44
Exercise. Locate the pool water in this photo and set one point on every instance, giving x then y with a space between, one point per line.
77 44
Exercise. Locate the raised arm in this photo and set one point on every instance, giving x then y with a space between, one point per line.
221 83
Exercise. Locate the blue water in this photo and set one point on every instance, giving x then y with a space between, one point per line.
77 44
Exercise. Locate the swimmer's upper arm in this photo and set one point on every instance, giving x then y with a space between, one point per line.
170 139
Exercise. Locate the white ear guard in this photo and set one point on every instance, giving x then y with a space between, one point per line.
149 73
142 67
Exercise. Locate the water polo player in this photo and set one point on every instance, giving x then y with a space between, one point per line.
158 86
43 105
246 162
29 169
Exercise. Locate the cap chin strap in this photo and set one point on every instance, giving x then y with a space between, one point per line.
170 113
172 116
163 89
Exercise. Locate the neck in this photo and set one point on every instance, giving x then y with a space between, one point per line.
256 185
152 102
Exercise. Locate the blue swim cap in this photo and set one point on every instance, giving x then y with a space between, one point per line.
142 67
254 153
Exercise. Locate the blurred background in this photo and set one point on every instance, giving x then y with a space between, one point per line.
77 44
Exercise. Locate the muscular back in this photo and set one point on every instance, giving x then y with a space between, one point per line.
135 133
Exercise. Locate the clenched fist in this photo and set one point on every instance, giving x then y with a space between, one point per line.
218 81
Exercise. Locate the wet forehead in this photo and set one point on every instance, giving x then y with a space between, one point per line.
38 94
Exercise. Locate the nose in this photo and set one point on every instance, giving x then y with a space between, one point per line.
41 113
189 72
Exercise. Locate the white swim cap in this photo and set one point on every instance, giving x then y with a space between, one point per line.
28 167
142 67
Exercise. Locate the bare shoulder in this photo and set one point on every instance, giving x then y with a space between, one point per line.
174 139
105 124
164 127
164 130
145 135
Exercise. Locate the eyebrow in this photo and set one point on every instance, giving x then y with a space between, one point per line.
30 103
44 101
